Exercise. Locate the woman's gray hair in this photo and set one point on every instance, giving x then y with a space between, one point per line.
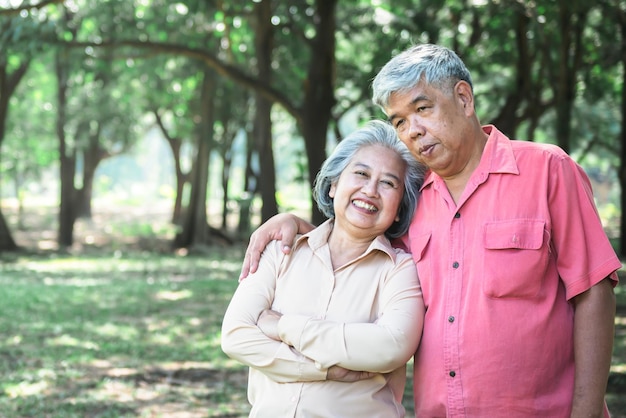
380 133
434 64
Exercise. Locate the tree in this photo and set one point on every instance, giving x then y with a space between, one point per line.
195 229
13 67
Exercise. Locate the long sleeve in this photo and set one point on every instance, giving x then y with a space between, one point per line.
242 340
381 346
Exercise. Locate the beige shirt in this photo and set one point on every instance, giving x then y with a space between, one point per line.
365 315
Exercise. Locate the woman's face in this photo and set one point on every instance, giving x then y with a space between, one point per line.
368 193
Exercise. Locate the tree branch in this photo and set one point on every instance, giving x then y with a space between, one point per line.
224 69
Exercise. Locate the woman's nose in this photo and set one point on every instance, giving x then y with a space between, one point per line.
370 188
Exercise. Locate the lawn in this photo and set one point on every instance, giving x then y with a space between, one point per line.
118 336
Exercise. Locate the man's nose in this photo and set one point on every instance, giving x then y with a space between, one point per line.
416 129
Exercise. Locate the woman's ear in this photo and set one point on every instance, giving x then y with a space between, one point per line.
332 190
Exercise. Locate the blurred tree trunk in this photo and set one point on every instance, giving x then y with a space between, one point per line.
181 177
67 155
227 158
195 229
226 153
508 118
8 83
249 189
319 96
572 20
6 240
262 131
93 155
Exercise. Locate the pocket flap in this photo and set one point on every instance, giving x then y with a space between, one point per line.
524 234
418 245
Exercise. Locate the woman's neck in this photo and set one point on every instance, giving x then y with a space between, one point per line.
344 247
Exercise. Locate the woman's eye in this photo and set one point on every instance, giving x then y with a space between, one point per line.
388 184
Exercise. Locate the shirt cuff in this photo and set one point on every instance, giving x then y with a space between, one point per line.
290 329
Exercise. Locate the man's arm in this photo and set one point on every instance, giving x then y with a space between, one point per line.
283 227
594 326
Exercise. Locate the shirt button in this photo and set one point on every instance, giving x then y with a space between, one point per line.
452 373
450 318
457 215
455 265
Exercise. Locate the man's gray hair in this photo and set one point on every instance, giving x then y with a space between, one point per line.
433 64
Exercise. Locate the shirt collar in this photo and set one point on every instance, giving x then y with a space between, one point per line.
318 238
498 156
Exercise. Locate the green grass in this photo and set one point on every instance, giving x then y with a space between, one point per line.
137 335
119 336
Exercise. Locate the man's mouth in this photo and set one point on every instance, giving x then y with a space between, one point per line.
426 149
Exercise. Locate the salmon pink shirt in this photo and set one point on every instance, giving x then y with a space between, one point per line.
497 272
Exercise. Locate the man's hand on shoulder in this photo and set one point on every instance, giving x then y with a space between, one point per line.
283 227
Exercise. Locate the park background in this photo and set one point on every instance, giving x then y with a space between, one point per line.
141 141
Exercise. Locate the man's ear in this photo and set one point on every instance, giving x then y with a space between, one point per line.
463 93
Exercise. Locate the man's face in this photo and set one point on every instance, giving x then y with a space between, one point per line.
434 125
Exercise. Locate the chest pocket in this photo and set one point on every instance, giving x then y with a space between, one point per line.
516 258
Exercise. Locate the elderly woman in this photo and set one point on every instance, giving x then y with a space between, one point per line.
327 330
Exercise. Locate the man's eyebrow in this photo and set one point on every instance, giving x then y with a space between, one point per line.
416 99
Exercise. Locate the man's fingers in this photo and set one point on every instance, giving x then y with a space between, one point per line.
283 227
245 267
340 374
286 247
250 263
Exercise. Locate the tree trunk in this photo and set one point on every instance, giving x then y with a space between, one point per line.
571 24
6 240
319 94
92 157
195 227
67 209
264 45
181 178
249 189
508 119
8 84
227 158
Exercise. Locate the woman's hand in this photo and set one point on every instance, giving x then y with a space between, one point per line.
268 323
